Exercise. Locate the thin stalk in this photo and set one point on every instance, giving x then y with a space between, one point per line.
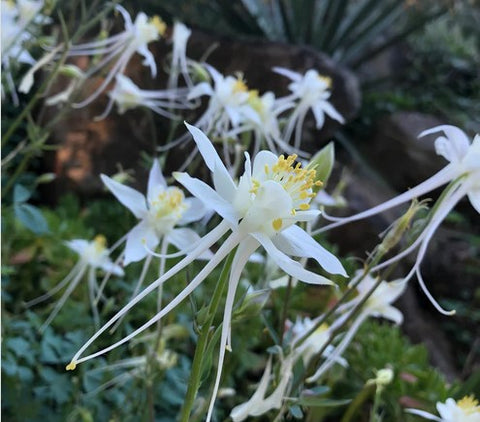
286 302
358 401
196 373
375 260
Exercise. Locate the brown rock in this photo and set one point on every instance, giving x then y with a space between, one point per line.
397 152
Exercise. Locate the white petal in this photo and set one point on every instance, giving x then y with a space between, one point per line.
262 159
155 180
392 313
203 88
208 196
140 236
129 197
77 245
221 177
185 239
205 147
242 411
294 76
474 197
319 115
454 146
332 112
423 414
223 182
289 265
196 211
296 241
109 267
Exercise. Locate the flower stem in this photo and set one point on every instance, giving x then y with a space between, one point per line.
364 394
205 330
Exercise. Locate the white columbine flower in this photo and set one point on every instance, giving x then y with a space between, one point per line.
464 410
309 92
262 209
179 63
260 403
378 305
15 18
159 212
463 175
262 119
120 48
126 95
93 255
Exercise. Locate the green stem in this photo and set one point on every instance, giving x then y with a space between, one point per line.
205 330
358 401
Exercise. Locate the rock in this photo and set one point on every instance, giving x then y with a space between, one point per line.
87 148
399 155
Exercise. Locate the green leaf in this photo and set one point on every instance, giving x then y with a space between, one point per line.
20 194
323 162
296 412
31 217
317 401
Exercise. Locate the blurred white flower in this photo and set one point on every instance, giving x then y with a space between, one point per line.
159 212
19 23
93 255
310 91
126 95
179 63
120 48
463 175
260 403
378 305
464 410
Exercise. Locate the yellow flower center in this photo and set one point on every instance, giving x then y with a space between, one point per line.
168 202
159 24
327 80
469 405
323 327
239 86
100 243
297 181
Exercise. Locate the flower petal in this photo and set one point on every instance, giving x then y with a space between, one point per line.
185 239
474 197
140 236
221 177
454 146
294 76
208 196
242 411
127 196
156 181
296 241
287 264
78 245
196 210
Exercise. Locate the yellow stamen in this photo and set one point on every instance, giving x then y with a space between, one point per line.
239 86
71 366
326 79
323 327
277 224
297 181
469 405
158 23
